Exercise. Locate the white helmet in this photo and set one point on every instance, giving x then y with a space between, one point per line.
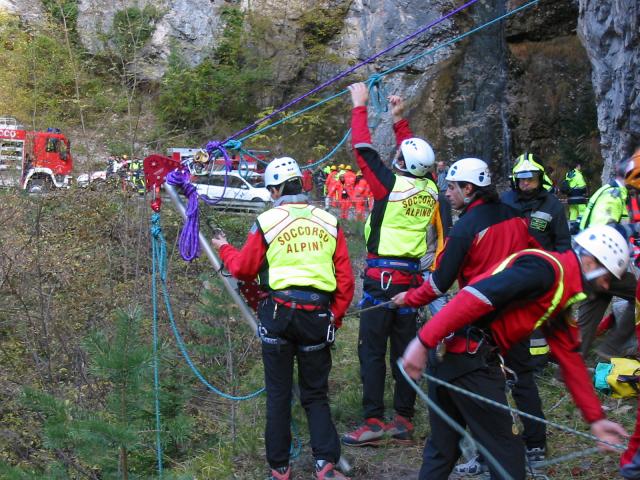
472 170
418 156
280 170
607 245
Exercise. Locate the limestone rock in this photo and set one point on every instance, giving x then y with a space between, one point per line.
610 32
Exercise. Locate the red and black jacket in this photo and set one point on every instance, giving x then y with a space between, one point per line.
487 233
508 304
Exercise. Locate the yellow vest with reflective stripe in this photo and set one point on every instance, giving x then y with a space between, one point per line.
557 296
408 212
301 242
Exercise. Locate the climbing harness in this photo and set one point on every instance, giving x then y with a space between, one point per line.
377 303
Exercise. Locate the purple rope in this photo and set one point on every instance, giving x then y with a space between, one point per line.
189 244
189 241
350 70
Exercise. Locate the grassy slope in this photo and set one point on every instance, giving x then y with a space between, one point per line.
390 461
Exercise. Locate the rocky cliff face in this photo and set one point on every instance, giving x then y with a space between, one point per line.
191 27
610 32
524 84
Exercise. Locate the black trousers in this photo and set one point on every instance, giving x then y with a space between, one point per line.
298 328
377 328
489 426
525 393
592 310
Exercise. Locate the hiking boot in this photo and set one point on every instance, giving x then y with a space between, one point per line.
369 433
327 470
280 473
535 456
401 430
472 468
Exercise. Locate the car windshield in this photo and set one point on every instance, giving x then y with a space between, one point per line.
256 181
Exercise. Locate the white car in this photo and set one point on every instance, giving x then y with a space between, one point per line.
244 188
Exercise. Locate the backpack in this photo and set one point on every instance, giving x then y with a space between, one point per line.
620 378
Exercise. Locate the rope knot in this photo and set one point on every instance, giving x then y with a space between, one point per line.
375 80
156 231
212 146
233 144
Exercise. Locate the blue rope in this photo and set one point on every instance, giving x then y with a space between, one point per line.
160 255
156 377
391 70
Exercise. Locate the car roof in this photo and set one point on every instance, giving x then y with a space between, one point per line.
237 173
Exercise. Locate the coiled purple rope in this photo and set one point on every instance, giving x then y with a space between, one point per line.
189 236
189 244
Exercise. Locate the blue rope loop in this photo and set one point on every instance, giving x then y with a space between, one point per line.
159 255
378 93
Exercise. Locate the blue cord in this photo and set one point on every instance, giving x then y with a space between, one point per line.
391 70
160 254
156 377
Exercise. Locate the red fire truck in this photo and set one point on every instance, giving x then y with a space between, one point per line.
35 161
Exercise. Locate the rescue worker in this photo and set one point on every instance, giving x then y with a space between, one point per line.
548 225
344 196
360 197
137 175
487 232
608 206
300 254
307 178
396 236
331 187
575 187
349 177
495 311
530 195
630 460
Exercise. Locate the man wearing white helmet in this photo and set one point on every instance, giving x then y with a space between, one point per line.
496 310
405 207
487 232
300 255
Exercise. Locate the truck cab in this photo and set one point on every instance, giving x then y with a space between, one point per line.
33 160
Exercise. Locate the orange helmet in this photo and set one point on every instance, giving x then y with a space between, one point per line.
632 173
333 168
348 167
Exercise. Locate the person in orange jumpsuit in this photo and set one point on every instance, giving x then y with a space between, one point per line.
361 195
331 185
345 192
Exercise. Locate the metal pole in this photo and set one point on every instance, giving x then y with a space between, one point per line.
247 313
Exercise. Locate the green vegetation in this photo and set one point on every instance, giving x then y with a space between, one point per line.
223 89
132 28
75 356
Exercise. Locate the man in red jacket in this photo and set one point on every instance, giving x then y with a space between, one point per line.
405 206
495 311
300 255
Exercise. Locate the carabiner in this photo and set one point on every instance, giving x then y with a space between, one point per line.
507 372
480 343
385 285
331 333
